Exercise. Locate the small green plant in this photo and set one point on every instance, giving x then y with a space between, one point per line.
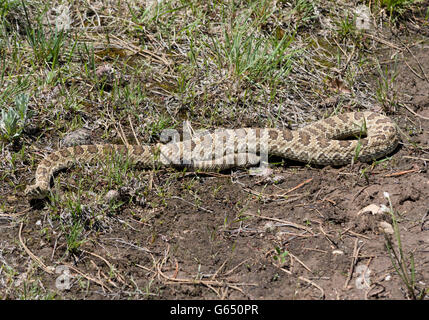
305 10
116 168
404 267
12 121
73 223
347 26
74 236
362 133
280 255
363 172
32 290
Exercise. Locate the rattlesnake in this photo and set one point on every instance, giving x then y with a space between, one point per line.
322 142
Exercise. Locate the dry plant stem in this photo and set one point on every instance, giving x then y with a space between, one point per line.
111 267
300 262
356 250
99 282
322 296
31 254
416 158
287 223
414 113
234 268
192 204
396 174
369 294
140 51
14 215
422 224
393 46
204 282
418 63
132 129
122 134
332 242
217 271
356 234
208 283
294 188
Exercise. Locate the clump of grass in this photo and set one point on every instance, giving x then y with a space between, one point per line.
305 9
396 8
250 55
347 26
74 227
404 266
47 46
385 92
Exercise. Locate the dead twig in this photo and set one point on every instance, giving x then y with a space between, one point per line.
294 188
413 112
200 281
322 296
140 51
13 215
400 173
286 223
99 282
300 262
356 250
415 158
132 129
111 267
47 269
192 204
383 41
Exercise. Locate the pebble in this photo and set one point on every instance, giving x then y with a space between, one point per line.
111 195
75 138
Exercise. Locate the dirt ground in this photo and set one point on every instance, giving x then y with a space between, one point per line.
297 233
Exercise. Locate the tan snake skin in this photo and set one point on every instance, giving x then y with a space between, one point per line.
317 143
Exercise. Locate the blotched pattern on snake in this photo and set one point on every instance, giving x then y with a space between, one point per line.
321 142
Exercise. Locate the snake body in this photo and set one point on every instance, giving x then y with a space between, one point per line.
322 143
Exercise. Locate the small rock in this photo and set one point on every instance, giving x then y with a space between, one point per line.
386 227
372 208
260 171
78 137
141 201
105 74
277 179
269 227
363 18
111 195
